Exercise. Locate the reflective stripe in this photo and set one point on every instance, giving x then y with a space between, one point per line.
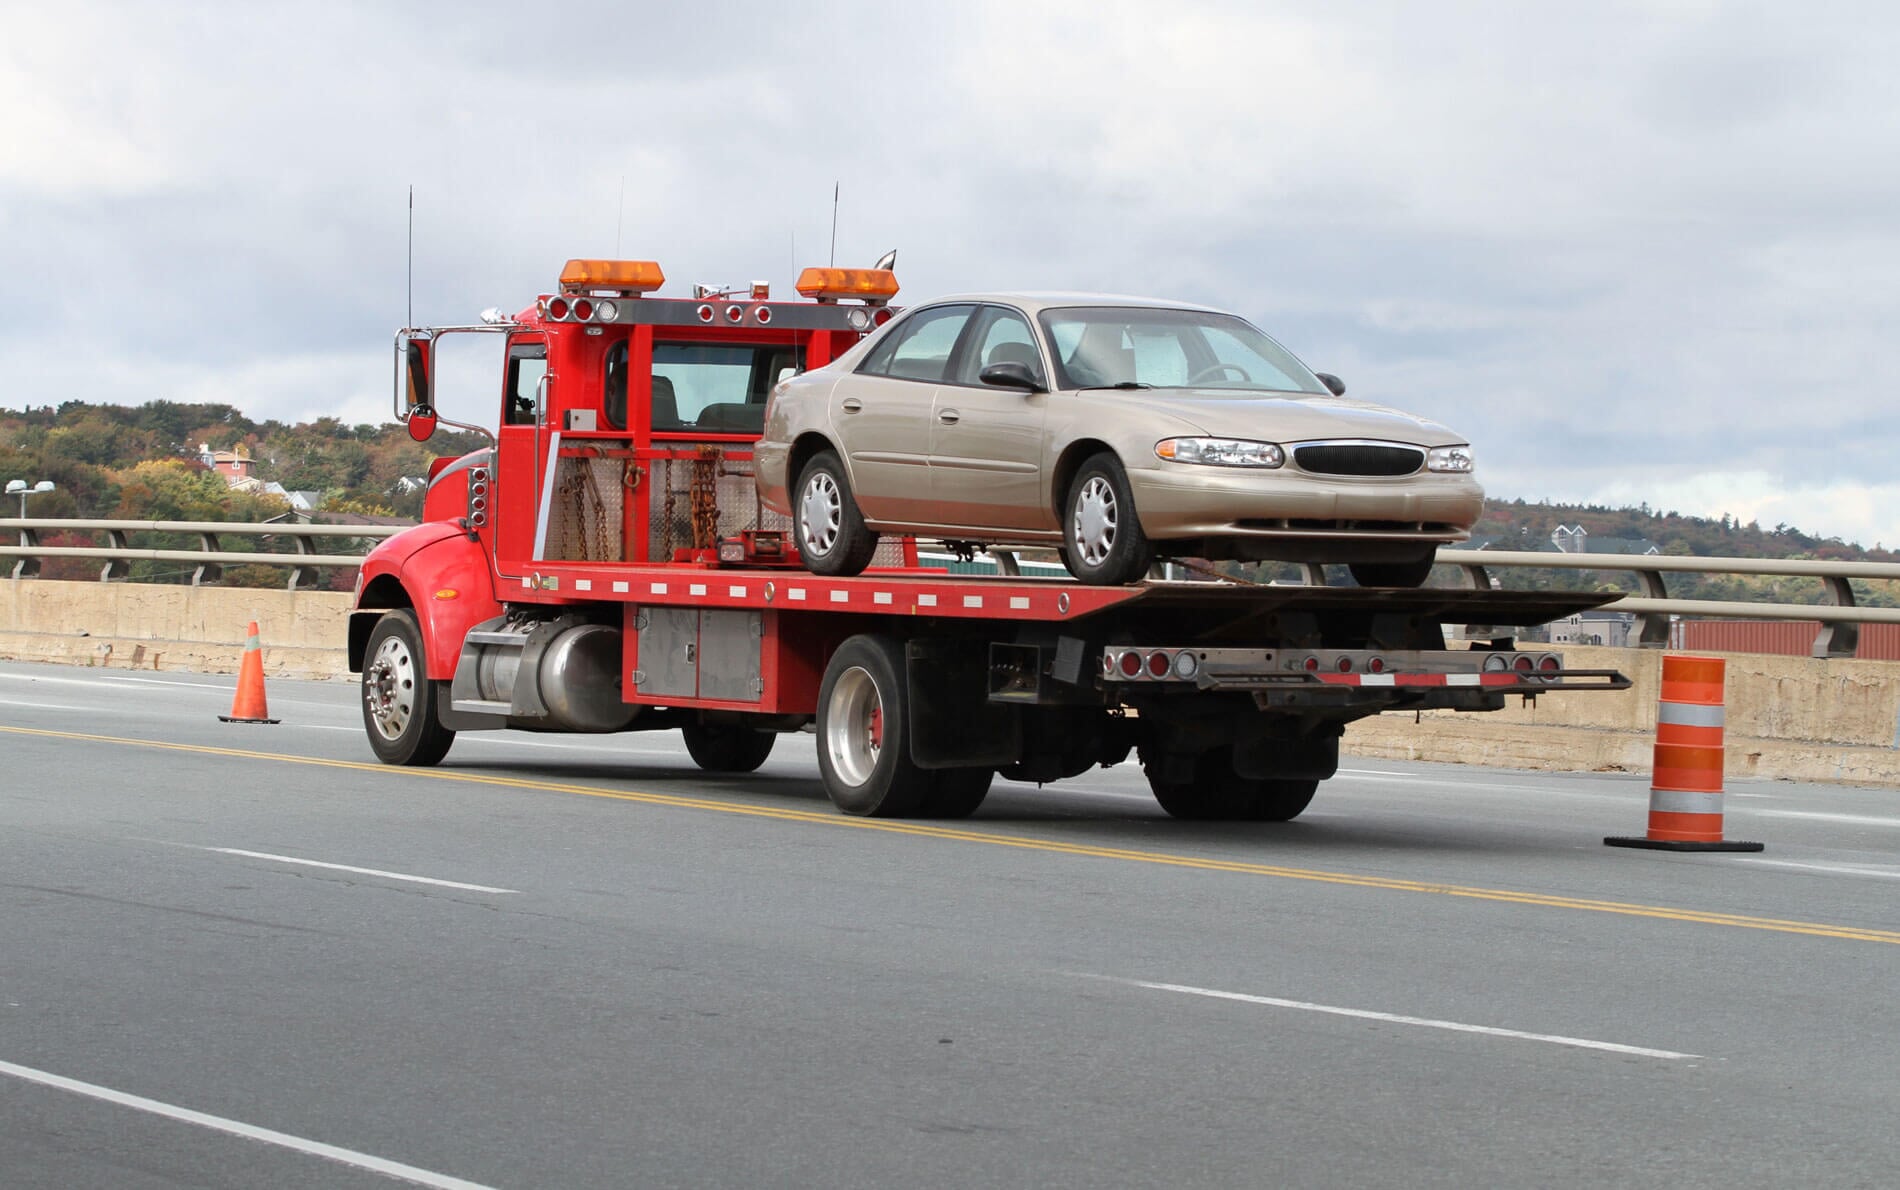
1676 801
1687 714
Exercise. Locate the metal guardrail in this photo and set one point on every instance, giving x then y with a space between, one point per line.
209 559
1839 617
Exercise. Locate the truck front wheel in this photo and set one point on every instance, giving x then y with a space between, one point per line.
863 732
399 700
727 747
1216 792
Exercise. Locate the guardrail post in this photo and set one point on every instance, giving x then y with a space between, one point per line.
1313 574
28 567
1652 628
1837 639
116 569
304 576
208 572
1475 577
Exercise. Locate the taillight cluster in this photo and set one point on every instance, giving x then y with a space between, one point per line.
735 314
572 308
1131 665
478 496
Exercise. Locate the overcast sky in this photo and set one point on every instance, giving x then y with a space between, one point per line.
1643 252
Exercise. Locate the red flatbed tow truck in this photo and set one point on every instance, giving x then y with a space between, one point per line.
606 565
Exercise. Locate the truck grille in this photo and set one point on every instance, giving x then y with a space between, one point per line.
1358 458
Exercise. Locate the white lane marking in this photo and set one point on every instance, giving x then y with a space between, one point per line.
1420 1021
1372 773
40 706
313 1148
1818 816
317 863
505 742
164 682
1836 869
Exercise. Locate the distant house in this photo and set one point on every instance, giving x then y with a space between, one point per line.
1593 628
1575 539
234 465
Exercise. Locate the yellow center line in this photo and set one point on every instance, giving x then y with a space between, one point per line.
998 839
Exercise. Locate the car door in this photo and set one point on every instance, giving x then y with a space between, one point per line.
881 414
986 442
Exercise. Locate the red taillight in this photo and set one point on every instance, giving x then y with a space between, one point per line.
882 315
1312 665
1131 663
1344 665
764 315
557 308
1522 663
705 313
1159 664
735 313
583 309
1550 663
1375 665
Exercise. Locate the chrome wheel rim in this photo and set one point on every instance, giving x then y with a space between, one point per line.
1093 533
854 726
389 688
821 510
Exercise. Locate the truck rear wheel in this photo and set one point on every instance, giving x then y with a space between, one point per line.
399 700
727 747
863 732
1217 793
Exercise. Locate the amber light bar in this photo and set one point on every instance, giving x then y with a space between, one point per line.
620 276
873 285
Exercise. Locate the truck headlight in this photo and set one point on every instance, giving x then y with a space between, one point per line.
1221 452
1449 458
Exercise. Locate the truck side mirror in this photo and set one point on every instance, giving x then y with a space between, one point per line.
1332 382
421 422
1010 374
415 373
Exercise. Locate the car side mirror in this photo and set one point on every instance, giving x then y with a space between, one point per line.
1010 374
421 422
1332 382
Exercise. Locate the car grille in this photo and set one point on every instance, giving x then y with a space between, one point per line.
1358 458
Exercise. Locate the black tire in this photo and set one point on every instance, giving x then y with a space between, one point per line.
1102 541
727 747
836 543
400 703
864 732
1394 574
955 793
1217 793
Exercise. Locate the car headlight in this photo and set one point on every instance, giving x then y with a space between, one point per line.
1221 452
1449 458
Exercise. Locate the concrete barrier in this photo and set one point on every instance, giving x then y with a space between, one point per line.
1801 718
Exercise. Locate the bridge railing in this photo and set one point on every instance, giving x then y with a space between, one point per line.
1653 607
208 560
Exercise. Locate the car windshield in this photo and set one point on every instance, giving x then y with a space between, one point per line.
1146 347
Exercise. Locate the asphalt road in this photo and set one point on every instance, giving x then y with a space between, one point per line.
245 955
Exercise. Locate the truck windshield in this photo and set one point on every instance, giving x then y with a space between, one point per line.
1148 347
718 388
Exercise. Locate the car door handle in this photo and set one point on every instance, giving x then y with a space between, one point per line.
948 416
851 404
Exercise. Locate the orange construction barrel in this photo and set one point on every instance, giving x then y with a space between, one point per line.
1685 788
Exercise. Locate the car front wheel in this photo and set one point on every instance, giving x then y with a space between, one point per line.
826 522
1103 544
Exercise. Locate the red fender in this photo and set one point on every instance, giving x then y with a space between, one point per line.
446 578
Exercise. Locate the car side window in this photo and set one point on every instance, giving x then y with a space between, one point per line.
1000 335
921 347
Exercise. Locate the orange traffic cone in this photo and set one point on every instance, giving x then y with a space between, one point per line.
248 706
1685 792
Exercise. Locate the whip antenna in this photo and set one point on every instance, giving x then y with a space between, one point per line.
409 282
834 223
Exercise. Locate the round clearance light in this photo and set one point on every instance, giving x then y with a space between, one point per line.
606 311
1550 663
1523 663
1159 664
1497 663
1375 665
1131 664
705 313
1186 664
557 309
1344 664
1312 665
583 309
763 314
858 318
735 313
882 315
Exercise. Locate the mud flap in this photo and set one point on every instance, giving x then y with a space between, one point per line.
953 723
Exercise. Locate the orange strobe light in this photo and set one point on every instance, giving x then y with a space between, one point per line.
873 285
618 276
1685 790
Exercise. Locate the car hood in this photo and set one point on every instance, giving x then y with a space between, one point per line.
1281 417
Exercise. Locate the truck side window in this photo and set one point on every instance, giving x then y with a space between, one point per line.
614 387
527 364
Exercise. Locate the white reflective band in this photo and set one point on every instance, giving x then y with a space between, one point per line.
1019 603
1378 680
972 601
841 596
658 588
1688 714
796 594
696 589
1464 679
926 601
735 591
880 597
582 584
1676 801
620 588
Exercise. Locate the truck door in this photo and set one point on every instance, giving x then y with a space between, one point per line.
522 443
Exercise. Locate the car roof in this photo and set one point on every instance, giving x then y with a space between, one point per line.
1032 302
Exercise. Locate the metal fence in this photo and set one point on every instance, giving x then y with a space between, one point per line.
1653 607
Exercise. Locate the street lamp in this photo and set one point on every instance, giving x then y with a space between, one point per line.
17 487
